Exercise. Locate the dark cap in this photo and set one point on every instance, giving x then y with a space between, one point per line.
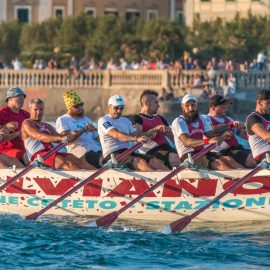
263 95
218 100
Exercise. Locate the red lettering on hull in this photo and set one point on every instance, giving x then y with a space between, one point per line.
126 186
17 187
59 189
265 188
93 188
205 187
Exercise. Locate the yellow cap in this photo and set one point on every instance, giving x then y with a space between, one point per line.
71 99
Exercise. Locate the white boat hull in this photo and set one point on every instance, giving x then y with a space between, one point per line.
182 195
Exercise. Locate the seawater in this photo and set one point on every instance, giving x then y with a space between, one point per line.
67 243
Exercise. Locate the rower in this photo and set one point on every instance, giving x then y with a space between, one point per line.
189 130
258 127
86 147
11 117
116 132
148 121
237 157
5 160
38 137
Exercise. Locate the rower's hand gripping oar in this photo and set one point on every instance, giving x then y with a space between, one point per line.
77 186
33 165
180 224
108 219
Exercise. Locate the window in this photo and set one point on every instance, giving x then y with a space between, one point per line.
132 14
59 11
90 11
23 14
152 14
112 11
180 18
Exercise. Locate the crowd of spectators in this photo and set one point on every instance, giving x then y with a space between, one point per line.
204 81
185 63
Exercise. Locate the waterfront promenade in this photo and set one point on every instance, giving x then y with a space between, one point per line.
95 87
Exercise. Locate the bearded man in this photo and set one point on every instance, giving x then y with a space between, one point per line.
86 147
192 131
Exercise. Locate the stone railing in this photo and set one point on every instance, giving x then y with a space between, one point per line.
155 79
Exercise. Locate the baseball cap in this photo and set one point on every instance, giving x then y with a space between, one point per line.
218 100
188 97
14 92
263 95
116 101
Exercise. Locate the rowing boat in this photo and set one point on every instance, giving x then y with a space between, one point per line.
182 195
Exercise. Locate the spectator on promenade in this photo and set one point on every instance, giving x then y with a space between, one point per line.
13 115
254 67
17 65
111 65
261 60
73 67
52 64
230 88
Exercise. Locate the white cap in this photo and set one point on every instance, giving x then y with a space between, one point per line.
116 101
188 97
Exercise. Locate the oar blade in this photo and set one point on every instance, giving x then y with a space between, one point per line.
177 226
33 216
105 221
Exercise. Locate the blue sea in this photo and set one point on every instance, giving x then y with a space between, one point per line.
67 243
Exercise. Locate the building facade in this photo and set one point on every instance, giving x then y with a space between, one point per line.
39 10
226 9
182 11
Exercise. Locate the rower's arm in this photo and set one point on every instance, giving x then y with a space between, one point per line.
122 136
260 131
29 130
190 142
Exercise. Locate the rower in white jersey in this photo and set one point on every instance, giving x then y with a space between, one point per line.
116 132
258 127
237 157
192 132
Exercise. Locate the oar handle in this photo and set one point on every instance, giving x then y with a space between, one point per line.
181 167
54 150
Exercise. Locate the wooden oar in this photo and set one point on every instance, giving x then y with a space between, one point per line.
108 219
180 224
77 186
32 165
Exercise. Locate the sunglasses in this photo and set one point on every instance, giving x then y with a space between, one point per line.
78 105
118 108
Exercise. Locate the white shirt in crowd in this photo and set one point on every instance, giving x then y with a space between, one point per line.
85 142
108 143
179 127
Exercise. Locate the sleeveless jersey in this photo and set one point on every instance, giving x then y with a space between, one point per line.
149 123
232 141
258 145
195 133
33 146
